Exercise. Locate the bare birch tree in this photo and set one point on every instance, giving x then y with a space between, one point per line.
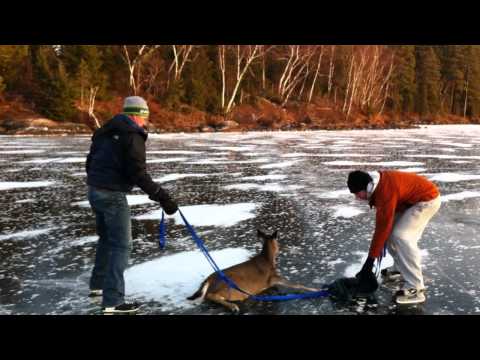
297 59
319 64
91 104
133 56
181 55
244 56
368 79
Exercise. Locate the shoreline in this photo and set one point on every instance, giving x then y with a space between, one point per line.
267 131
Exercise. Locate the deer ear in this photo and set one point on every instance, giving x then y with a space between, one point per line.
275 234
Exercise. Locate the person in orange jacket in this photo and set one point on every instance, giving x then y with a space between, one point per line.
405 203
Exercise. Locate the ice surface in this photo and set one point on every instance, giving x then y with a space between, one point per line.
319 236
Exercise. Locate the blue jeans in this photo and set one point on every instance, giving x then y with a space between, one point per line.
114 245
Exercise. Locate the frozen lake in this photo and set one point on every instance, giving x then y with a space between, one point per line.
228 185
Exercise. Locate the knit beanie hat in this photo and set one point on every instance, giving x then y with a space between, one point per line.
358 181
135 105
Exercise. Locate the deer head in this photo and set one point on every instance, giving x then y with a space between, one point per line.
270 245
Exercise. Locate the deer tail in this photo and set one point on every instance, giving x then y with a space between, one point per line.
200 292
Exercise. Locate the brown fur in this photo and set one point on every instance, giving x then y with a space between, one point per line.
253 276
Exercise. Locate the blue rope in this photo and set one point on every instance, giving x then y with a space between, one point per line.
161 232
225 278
379 260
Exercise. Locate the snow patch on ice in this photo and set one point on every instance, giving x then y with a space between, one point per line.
72 160
343 155
335 194
171 279
84 240
452 177
443 156
131 199
12 152
168 160
274 187
387 261
210 161
279 165
346 211
8 185
380 163
415 169
235 148
335 262
172 177
39 161
24 201
209 215
27 234
175 152
266 177
293 155
460 196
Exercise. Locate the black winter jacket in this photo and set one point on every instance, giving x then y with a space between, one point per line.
117 159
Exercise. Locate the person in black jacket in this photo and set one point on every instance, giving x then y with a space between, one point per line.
115 164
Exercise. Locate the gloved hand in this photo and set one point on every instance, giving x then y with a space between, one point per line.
367 267
367 282
166 202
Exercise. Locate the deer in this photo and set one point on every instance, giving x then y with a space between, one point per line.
253 276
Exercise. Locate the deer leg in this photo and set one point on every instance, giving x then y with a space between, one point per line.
221 300
278 281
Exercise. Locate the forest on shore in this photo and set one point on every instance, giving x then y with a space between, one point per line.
76 88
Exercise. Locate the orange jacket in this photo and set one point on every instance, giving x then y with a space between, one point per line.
396 191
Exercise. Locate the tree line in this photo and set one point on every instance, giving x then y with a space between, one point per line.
59 80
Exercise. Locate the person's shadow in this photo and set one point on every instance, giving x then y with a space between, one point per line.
418 309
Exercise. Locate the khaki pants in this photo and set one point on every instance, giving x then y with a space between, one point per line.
403 242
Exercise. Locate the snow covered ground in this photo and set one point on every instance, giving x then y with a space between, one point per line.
228 185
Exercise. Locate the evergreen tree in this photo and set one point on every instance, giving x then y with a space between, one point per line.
175 95
2 86
85 66
13 68
428 78
453 70
472 88
201 89
52 90
403 79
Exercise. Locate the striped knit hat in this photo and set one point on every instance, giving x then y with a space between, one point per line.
135 105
